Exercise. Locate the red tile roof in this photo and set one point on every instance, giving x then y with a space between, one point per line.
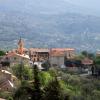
62 49
87 61
57 54
39 50
15 54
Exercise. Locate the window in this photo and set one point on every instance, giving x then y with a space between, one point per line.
34 55
15 58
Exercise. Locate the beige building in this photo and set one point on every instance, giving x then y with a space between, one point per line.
39 54
69 53
14 58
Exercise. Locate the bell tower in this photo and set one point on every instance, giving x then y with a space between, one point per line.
20 46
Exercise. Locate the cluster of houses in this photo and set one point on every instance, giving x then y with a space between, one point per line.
57 57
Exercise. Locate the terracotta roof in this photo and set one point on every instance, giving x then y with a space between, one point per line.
15 54
87 61
62 49
10 54
39 50
57 54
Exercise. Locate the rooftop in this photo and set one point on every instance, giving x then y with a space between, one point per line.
57 54
62 49
15 54
39 50
87 61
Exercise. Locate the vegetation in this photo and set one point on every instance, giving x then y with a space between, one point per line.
52 84
2 53
22 72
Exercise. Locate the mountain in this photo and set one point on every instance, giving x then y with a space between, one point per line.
47 23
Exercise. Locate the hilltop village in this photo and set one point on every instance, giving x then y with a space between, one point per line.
55 56
59 59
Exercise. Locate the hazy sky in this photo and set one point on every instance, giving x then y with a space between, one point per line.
92 4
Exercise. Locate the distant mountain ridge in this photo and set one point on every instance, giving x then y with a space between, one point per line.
47 28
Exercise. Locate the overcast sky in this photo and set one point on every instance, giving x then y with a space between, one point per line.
93 4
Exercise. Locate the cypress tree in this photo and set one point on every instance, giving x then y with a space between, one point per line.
37 94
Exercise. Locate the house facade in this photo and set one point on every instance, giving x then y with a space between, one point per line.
39 54
56 60
58 56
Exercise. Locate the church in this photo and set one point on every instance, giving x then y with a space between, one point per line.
17 56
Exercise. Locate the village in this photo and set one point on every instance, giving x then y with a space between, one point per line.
65 59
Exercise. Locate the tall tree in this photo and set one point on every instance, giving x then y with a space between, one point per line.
37 94
29 91
53 91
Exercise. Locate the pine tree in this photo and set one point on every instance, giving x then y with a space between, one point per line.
53 91
37 94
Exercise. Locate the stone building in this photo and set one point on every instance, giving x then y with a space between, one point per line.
39 54
59 55
69 53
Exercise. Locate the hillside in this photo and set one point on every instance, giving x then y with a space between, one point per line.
42 25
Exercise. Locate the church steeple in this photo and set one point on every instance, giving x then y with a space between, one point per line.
20 46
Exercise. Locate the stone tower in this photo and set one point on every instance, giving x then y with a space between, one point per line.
20 46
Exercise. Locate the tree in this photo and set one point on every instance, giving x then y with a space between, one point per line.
86 89
87 54
84 53
37 94
22 72
97 60
2 53
28 91
23 93
91 55
53 91
45 78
